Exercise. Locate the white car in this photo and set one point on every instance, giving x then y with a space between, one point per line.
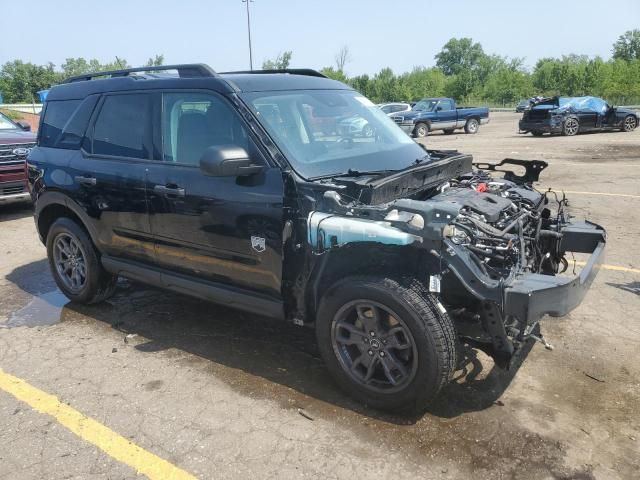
396 107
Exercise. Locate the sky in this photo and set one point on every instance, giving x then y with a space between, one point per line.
396 33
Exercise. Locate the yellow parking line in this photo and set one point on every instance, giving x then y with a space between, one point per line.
88 429
612 267
625 195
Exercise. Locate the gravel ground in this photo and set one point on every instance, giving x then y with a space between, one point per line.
220 393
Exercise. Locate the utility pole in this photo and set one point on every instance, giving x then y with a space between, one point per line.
249 32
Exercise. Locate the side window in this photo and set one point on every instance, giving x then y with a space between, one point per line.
192 122
74 130
120 127
56 116
387 108
445 105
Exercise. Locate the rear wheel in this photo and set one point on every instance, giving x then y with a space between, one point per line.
570 127
630 123
388 343
472 126
421 130
75 264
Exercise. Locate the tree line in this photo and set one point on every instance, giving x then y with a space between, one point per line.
462 70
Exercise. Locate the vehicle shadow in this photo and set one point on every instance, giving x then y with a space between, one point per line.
14 211
231 341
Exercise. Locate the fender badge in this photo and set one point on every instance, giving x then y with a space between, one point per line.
258 244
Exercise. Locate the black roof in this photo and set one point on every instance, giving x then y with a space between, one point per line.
196 76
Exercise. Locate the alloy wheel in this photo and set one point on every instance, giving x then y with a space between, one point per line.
374 346
571 126
70 261
629 124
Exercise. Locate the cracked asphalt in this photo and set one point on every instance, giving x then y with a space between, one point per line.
223 394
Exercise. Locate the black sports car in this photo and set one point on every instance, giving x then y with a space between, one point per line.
572 115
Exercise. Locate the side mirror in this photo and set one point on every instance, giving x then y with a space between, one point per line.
438 109
24 126
227 161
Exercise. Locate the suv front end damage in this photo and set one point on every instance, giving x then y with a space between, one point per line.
497 247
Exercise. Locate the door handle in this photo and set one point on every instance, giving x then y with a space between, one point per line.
164 190
85 180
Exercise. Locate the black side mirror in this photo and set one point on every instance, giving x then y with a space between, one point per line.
438 109
227 161
24 125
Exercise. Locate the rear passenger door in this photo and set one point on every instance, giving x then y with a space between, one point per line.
226 230
109 176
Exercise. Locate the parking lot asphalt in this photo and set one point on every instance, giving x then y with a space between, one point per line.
154 384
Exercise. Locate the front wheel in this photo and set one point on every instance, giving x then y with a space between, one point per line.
388 343
472 126
75 265
421 130
630 123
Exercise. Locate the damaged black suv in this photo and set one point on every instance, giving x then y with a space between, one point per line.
242 188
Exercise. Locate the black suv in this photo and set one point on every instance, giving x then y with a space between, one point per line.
241 188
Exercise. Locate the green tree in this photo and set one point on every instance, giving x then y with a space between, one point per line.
281 62
627 47
20 82
334 74
459 54
155 61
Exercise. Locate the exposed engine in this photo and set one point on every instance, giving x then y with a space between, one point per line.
506 225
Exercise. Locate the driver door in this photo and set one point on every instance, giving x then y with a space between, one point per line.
222 229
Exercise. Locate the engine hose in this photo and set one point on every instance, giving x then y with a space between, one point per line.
482 252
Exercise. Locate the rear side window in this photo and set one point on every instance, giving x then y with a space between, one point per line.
121 125
56 116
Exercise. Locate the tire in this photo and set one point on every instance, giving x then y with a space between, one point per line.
418 349
367 131
472 126
629 123
421 130
537 133
448 131
68 245
570 127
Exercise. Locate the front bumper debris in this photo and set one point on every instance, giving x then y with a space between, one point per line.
531 296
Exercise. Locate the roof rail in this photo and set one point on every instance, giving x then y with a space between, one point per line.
293 71
188 70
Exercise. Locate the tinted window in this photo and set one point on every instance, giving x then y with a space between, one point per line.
56 116
192 122
76 127
121 125
387 109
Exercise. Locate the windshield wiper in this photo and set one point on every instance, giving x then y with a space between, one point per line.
353 173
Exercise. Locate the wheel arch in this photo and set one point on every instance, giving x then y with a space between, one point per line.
53 205
362 258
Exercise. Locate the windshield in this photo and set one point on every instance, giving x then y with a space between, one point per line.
425 105
6 124
329 132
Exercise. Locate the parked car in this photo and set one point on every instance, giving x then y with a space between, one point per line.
523 105
16 141
573 115
432 114
355 126
215 185
390 108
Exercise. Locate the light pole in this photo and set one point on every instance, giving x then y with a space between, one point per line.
249 32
